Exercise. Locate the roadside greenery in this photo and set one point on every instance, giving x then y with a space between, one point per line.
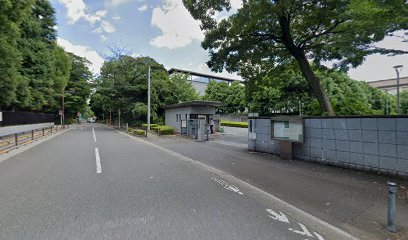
122 86
262 35
284 90
34 69
165 130
234 124
233 96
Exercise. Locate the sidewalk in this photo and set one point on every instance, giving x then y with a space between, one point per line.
353 201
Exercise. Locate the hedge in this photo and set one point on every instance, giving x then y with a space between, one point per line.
138 132
144 126
234 124
165 130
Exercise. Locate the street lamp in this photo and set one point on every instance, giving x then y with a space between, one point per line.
398 69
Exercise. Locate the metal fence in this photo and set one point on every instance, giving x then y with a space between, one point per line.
8 118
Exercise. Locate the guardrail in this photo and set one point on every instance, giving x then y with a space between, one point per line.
13 136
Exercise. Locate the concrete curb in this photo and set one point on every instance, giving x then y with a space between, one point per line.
327 229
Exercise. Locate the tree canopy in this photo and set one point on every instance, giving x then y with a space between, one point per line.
264 34
122 86
233 96
284 91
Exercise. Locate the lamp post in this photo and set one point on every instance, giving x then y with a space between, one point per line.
148 99
398 69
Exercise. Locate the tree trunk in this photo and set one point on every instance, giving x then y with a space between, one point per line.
314 82
305 67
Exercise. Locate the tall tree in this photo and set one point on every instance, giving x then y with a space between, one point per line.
12 13
45 66
233 96
78 89
263 34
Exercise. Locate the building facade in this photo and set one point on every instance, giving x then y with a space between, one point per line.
390 85
200 81
175 113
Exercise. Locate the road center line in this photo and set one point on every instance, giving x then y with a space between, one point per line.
98 161
93 132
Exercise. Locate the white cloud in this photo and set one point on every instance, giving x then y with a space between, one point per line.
117 2
178 28
77 9
116 18
83 51
105 27
378 67
142 8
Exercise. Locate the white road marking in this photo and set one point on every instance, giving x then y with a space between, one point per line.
225 185
321 225
98 161
93 132
277 216
304 231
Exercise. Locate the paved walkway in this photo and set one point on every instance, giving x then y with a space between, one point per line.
353 201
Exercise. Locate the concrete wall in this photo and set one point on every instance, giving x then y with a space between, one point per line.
5 131
374 144
171 119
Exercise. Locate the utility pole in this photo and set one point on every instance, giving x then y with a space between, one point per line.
119 117
398 70
148 99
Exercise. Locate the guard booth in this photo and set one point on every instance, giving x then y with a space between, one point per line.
192 118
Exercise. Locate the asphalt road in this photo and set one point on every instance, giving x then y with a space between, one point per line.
93 182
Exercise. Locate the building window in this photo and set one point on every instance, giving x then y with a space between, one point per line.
186 116
251 125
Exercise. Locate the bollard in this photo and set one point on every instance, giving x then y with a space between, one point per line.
16 138
32 134
392 190
127 127
43 132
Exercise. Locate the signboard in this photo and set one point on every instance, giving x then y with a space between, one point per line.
183 123
60 113
287 128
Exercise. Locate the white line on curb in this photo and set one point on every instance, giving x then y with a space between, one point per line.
336 233
93 132
98 161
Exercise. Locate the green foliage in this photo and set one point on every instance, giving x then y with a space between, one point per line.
265 34
285 89
78 88
123 85
404 102
234 124
165 130
138 132
12 14
233 96
144 126
34 70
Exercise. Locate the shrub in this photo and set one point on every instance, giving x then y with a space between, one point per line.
138 132
234 124
165 130
144 126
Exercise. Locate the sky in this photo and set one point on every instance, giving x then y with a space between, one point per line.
165 31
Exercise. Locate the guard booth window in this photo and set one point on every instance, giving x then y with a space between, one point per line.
251 125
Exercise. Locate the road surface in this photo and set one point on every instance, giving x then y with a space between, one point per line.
93 182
